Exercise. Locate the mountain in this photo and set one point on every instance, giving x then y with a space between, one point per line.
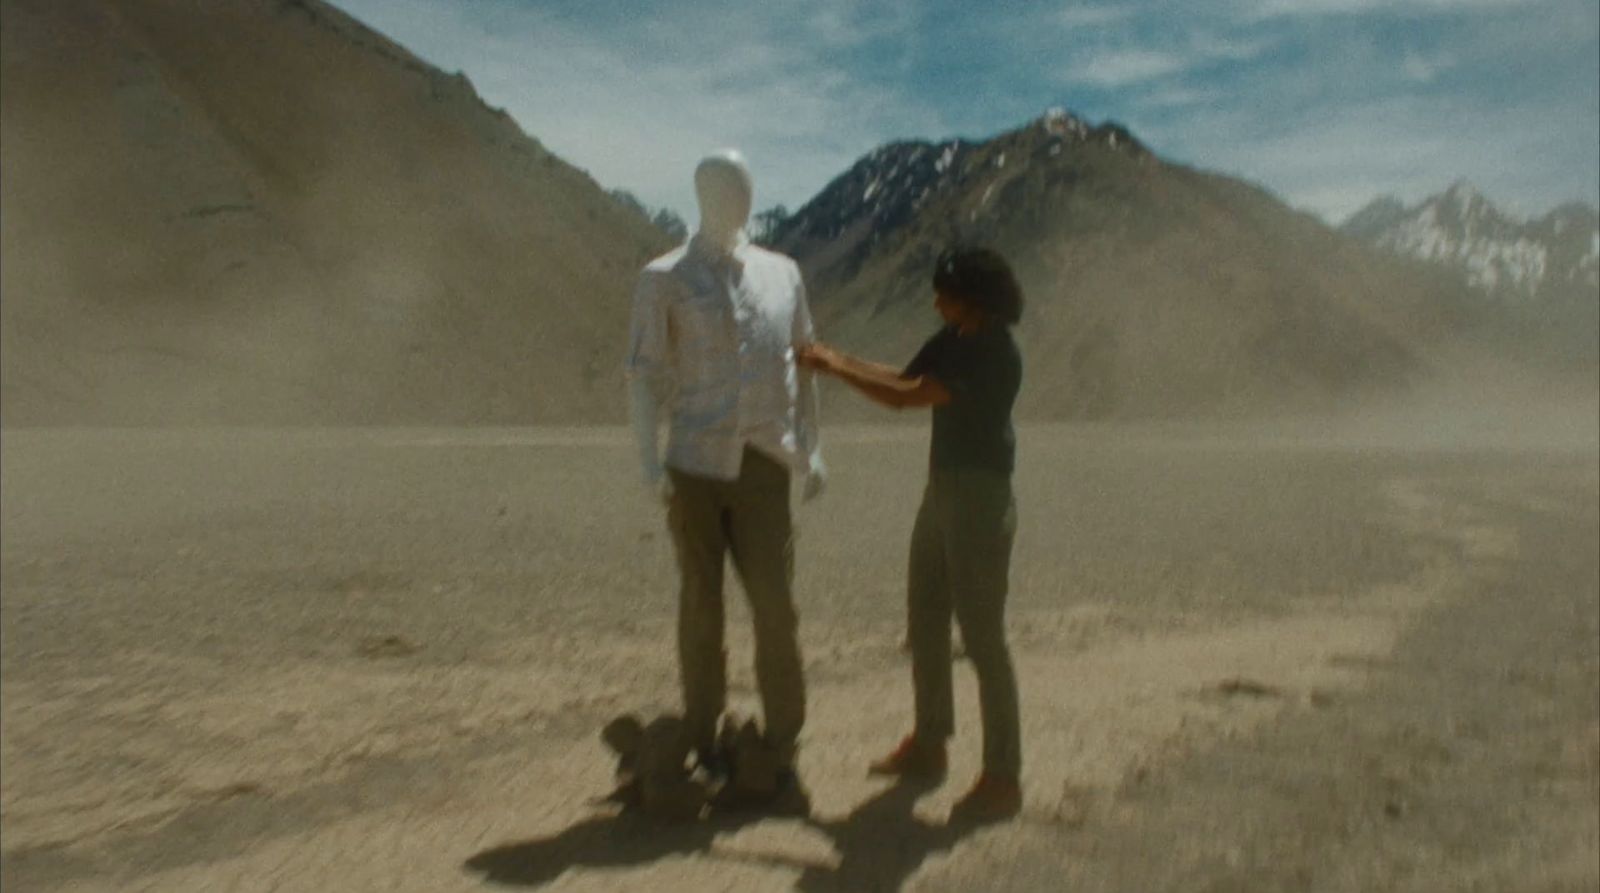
1154 290
1555 258
884 192
262 211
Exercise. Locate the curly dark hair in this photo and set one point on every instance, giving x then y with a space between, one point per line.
981 278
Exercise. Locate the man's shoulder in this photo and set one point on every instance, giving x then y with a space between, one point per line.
766 257
666 263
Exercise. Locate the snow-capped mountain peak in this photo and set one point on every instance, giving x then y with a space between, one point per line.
1496 252
1463 194
886 188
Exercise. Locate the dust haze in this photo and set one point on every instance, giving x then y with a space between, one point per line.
324 559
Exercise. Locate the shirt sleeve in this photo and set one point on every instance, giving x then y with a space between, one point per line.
987 372
803 331
809 409
647 336
925 361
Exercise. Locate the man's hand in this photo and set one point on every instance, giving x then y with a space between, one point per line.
658 488
816 480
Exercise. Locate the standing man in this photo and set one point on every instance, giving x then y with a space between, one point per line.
711 353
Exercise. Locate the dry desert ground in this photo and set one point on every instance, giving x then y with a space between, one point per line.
1251 658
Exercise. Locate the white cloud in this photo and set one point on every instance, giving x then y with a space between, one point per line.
1291 8
1132 66
851 23
638 111
1121 68
1094 16
1179 97
1334 162
1232 49
637 104
1425 69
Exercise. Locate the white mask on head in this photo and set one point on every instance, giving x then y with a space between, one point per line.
725 189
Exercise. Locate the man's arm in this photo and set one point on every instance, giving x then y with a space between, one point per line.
646 388
644 412
808 413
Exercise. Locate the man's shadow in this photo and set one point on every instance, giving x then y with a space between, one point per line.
880 843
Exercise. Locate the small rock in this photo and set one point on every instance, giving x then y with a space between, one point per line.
1239 685
376 647
1076 803
236 789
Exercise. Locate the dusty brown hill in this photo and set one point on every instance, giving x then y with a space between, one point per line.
263 212
1155 290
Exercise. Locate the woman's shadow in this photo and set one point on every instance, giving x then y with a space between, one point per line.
880 844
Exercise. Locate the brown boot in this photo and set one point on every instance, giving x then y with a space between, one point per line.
994 798
912 759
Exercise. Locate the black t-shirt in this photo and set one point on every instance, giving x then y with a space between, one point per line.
983 372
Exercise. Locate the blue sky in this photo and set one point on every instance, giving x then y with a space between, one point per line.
1328 103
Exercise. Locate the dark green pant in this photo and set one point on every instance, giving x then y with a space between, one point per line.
960 565
749 519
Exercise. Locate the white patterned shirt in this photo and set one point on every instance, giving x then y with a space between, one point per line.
713 333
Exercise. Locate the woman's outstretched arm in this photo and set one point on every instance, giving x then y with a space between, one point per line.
881 384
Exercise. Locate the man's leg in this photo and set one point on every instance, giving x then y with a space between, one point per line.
699 538
761 535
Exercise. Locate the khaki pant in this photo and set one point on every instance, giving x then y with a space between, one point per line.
960 564
748 519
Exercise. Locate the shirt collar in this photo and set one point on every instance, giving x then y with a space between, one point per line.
717 254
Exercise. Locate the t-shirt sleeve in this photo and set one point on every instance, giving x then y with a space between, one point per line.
925 361
989 374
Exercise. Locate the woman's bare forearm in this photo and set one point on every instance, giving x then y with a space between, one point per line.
867 369
878 382
882 384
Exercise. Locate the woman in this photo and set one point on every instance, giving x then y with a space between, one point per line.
969 372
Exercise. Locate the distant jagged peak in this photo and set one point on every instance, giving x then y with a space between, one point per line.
1057 121
1464 202
1572 214
1463 192
1496 251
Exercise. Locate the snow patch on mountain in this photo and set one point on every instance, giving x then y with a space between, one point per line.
1495 251
888 186
1492 257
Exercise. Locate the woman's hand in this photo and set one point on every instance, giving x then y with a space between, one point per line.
817 357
